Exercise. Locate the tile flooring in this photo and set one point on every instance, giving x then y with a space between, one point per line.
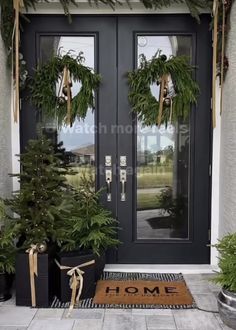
204 292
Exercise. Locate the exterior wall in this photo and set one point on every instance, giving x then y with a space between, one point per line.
5 125
228 138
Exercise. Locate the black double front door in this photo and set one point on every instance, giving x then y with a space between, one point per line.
157 179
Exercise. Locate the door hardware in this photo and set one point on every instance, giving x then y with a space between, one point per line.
123 161
108 160
108 182
123 179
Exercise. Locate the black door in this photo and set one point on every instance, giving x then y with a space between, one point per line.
159 185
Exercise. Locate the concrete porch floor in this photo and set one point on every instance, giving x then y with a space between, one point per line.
203 291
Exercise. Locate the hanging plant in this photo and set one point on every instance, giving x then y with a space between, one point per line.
177 89
60 72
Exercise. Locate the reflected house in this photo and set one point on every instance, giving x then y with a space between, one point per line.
85 155
70 157
141 159
145 157
162 159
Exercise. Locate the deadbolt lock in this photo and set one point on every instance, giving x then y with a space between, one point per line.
108 175
123 161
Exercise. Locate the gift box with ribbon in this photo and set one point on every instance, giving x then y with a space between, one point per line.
75 276
35 277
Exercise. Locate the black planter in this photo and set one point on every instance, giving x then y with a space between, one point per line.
100 262
44 285
72 259
5 286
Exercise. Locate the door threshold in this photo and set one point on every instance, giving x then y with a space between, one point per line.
155 268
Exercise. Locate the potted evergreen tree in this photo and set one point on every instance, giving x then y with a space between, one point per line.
7 254
42 205
227 279
90 232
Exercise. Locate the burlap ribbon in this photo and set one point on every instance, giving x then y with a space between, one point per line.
18 5
76 281
66 83
33 268
171 110
163 85
222 56
214 64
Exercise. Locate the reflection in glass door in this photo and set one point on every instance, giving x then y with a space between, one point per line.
163 158
79 139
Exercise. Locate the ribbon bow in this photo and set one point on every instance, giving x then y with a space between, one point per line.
214 65
18 5
33 268
67 83
76 281
163 84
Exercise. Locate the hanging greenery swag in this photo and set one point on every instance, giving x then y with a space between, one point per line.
11 15
61 71
178 91
8 10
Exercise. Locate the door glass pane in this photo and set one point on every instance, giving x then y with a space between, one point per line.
163 160
78 140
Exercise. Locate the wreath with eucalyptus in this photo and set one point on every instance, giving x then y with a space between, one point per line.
51 88
177 89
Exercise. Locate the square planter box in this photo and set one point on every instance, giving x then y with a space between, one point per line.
100 262
62 280
44 285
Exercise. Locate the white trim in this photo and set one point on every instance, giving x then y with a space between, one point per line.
143 268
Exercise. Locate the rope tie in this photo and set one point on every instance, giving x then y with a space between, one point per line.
33 268
76 281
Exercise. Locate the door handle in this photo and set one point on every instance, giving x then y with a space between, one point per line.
108 183
123 179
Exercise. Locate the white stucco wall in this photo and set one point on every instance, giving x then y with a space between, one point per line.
5 125
228 138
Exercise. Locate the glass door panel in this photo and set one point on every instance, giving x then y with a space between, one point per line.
163 217
79 139
163 158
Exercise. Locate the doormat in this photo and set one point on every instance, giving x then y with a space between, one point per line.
138 290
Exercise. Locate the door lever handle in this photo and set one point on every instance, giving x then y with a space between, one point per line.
123 179
108 183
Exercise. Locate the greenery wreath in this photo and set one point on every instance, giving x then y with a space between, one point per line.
62 71
178 90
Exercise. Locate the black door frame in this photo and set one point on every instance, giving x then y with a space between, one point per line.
196 249
112 66
102 30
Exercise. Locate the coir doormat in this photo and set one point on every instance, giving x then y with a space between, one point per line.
142 292
138 290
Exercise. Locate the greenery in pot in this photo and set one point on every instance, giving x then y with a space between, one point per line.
44 202
7 245
227 262
226 277
91 226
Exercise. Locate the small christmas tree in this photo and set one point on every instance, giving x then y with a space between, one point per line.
90 226
44 202
7 247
